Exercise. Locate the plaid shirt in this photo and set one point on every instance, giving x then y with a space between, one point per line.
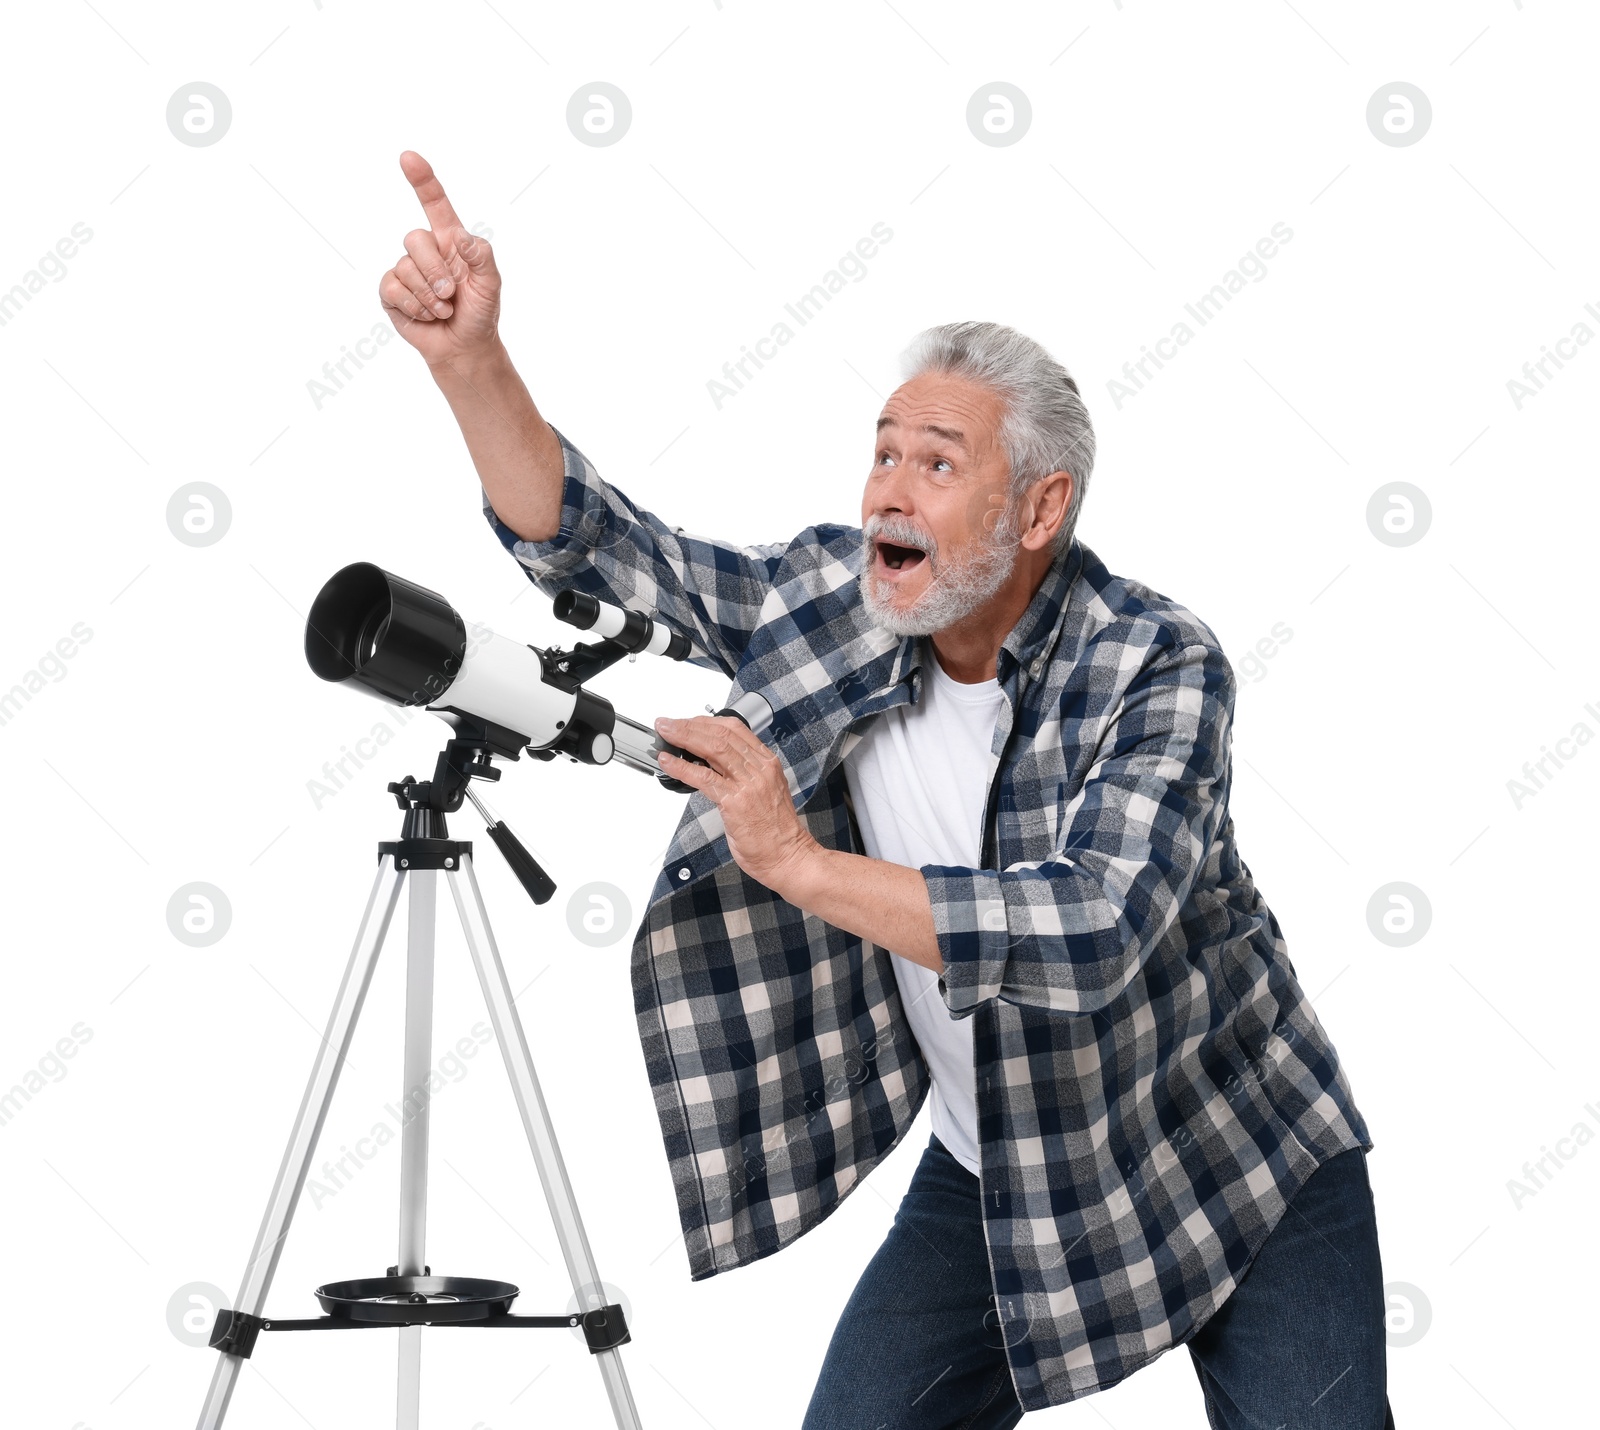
1152 1084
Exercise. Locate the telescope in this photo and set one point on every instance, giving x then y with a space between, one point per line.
407 645
403 643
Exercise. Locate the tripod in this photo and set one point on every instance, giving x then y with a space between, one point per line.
410 1296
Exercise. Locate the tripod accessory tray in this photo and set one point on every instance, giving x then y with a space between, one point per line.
418 1301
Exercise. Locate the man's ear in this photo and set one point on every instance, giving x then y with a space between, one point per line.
1048 500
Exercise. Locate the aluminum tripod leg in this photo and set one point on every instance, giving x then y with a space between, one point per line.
414 1131
307 1127
508 1033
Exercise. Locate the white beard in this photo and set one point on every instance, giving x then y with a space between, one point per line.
959 585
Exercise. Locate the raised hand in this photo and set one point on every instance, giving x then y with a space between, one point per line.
443 296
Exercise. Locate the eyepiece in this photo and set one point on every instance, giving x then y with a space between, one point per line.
385 635
576 608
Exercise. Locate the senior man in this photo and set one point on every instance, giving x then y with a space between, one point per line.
981 856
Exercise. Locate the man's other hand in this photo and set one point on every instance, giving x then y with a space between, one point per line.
745 780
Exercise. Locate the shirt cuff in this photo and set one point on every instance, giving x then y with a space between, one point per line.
969 921
584 517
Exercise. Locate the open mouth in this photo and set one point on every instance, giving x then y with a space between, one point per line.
899 559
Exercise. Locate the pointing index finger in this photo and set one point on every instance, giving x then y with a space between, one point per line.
430 194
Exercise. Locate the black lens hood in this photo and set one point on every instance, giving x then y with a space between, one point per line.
386 635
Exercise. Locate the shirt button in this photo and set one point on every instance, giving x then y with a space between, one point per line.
683 873
1037 667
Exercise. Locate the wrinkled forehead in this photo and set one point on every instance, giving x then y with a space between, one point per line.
943 410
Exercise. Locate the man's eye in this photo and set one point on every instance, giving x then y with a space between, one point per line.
943 462
885 460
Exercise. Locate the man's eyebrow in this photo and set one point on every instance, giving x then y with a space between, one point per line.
948 433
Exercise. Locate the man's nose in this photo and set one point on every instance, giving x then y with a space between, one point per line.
888 493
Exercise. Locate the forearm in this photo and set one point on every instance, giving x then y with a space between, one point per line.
871 898
517 455
884 903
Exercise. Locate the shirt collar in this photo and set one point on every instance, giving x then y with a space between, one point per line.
1034 635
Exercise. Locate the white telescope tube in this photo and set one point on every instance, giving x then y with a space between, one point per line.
503 681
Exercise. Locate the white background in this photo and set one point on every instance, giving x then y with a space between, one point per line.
177 743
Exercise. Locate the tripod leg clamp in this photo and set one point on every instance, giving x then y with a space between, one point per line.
605 1328
235 1332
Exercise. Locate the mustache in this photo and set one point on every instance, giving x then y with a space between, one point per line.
902 532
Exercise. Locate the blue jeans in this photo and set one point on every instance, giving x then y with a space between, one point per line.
1300 1342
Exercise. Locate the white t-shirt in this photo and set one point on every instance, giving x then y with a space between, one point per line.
919 781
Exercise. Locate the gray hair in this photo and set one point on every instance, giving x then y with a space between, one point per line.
1046 426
